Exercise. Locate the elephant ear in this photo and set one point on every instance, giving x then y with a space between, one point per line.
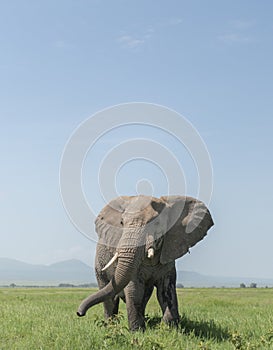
109 225
188 222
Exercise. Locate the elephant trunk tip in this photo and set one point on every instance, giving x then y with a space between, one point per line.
80 313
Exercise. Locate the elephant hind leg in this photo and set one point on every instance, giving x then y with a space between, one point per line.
147 295
116 305
111 307
167 298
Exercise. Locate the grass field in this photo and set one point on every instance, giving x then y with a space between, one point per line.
210 319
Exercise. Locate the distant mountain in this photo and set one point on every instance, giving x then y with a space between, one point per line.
76 272
194 279
69 271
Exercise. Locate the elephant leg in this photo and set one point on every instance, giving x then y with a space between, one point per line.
110 305
147 295
167 297
134 295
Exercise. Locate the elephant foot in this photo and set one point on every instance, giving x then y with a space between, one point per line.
137 324
137 328
171 317
172 322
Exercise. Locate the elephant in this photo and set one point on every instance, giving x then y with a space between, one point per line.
140 237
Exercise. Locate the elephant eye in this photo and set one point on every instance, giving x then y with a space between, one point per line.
121 222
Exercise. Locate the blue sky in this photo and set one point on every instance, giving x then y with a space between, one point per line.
210 61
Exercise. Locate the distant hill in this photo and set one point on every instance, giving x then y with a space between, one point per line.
194 279
76 272
69 271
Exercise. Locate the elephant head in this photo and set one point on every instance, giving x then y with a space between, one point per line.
138 227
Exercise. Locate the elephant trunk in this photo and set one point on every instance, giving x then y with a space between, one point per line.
128 262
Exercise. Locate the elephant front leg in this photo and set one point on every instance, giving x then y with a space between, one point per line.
111 305
167 297
134 295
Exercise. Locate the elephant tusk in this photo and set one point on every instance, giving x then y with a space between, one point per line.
151 253
111 262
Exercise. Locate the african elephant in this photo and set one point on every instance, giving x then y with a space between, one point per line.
139 239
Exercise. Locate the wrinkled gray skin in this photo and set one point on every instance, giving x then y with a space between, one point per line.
130 226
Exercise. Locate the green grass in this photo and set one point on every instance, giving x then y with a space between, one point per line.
210 319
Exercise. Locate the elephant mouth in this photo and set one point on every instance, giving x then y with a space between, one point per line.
150 255
111 262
